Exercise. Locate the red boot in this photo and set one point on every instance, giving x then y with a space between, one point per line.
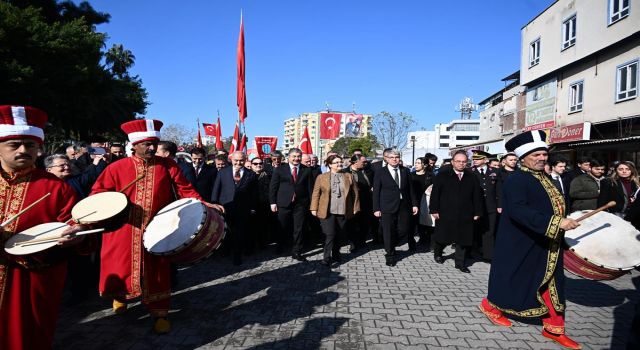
562 340
494 315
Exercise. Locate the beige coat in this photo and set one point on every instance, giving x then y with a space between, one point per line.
322 195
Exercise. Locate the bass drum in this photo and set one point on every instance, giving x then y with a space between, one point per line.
603 247
186 231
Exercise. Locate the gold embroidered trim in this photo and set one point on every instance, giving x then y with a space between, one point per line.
12 194
556 234
553 329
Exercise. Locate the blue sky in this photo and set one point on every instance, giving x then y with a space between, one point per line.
417 57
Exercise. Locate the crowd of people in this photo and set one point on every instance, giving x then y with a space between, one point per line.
292 204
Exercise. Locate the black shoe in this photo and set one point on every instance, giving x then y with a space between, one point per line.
463 269
298 257
325 263
336 258
391 263
279 249
438 259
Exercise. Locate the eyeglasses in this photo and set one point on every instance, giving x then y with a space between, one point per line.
259 163
61 166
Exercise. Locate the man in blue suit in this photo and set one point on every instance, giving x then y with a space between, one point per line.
236 189
394 202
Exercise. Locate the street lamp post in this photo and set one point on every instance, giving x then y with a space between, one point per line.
413 148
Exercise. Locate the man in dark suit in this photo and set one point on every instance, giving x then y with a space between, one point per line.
489 180
236 189
289 196
394 202
276 159
558 167
168 149
456 203
205 174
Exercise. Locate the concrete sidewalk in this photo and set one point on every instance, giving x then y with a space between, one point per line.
280 303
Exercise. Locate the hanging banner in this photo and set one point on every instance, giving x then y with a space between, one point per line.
352 125
265 145
541 102
330 125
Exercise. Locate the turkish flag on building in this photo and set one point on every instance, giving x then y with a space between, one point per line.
219 144
305 142
265 145
330 125
235 140
241 98
209 129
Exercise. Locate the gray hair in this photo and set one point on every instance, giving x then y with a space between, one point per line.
48 161
295 150
240 153
392 152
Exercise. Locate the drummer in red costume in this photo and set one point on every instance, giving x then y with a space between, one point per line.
127 270
30 286
526 277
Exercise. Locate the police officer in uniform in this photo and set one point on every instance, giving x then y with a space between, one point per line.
485 228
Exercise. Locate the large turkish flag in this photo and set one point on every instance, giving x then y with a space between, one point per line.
330 125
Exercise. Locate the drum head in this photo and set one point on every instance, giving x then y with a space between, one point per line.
605 240
51 229
174 226
99 207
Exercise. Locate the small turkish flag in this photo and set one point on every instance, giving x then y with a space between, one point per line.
209 129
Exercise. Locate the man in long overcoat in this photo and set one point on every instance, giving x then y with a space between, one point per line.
491 192
456 202
526 278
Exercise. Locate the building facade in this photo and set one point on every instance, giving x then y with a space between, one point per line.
294 129
579 63
443 140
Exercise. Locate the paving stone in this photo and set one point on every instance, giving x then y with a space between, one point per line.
277 303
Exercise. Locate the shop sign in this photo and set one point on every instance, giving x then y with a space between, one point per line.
541 126
576 132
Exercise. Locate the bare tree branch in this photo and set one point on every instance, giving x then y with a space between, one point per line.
391 129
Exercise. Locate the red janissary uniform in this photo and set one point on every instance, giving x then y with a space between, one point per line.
31 287
127 270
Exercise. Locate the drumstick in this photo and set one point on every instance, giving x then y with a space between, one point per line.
11 219
131 183
594 212
55 238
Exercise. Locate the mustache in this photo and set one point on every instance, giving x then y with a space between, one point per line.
23 156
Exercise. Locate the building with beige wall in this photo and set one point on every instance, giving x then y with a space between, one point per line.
294 128
579 62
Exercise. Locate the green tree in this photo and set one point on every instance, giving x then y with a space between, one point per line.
391 129
51 57
120 60
346 145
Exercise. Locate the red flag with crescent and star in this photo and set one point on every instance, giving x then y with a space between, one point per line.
305 142
219 144
209 129
330 125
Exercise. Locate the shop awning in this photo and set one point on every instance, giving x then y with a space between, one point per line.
595 142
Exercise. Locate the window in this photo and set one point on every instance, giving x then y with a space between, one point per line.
467 138
534 53
444 145
444 136
569 32
627 81
575 96
618 9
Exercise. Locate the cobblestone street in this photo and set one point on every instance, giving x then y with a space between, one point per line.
281 303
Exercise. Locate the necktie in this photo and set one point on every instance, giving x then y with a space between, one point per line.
482 171
395 176
460 176
236 176
294 174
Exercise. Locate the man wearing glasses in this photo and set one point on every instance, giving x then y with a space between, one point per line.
394 202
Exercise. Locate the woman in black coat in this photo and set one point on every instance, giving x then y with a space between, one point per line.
621 187
421 179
